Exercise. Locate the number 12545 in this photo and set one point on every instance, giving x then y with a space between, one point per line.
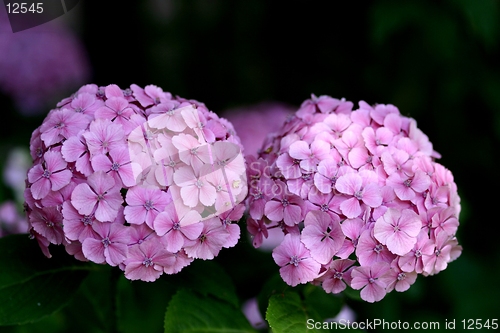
22 8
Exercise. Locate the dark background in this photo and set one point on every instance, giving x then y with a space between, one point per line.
437 61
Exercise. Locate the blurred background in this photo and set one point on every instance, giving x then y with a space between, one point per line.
438 61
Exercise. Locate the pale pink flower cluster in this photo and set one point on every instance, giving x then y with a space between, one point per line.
359 196
135 178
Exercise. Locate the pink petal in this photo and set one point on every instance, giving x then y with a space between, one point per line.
292 215
357 157
60 179
349 183
274 210
372 195
40 188
107 209
83 199
116 253
190 195
174 240
300 150
351 208
93 250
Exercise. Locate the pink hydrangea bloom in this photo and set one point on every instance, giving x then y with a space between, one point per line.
353 184
136 179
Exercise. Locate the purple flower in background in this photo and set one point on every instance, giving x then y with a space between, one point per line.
44 61
254 123
11 220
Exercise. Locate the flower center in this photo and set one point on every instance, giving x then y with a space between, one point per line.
46 174
401 276
407 183
115 166
358 195
338 275
418 253
87 220
257 195
285 202
294 261
106 242
378 248
148 205
148 262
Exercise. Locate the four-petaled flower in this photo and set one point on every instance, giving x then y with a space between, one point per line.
100 197
297 265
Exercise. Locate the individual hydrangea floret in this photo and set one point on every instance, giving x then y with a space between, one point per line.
135 178
358 195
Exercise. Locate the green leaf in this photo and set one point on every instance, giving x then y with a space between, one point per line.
321 305
275 285
208 278
286 314
31 285
192 312
141 305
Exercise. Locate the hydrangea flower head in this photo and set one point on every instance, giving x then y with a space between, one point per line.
358 195
135 178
